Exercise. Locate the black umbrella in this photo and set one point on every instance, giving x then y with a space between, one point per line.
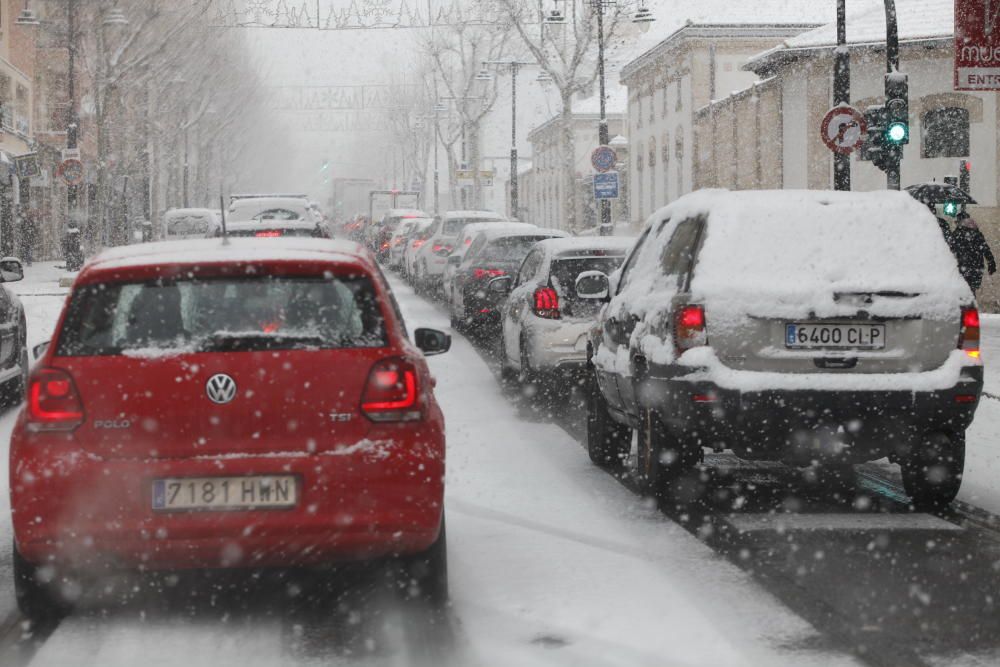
937 193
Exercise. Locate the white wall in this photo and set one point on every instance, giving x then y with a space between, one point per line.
794 128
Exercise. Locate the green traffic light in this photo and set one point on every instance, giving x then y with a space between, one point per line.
897 132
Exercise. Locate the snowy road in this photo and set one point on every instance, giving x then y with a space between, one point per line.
553 562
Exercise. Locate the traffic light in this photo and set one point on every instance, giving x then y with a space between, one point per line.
874 148
897 110
950 208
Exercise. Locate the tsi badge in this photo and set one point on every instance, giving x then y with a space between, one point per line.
341 416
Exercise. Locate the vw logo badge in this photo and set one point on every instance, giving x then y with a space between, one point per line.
220 388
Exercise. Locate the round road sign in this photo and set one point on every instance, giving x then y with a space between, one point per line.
71 171
842 129
604 158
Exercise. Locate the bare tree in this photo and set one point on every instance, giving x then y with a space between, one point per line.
567 50
457 53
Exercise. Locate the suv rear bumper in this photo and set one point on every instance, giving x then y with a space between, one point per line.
95 513
803 425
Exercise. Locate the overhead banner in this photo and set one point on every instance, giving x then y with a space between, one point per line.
977 45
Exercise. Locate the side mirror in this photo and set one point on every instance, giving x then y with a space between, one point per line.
432 341
40 349
592 285
454 260
499 285
11 270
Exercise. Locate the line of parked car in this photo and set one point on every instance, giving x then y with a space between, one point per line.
843 336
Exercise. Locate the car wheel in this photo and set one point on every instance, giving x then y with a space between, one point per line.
662 459
608 442
508 376
36 593
932 473
15 390
424 576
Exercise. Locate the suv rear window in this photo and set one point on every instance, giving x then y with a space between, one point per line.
454 226
513 248
223 314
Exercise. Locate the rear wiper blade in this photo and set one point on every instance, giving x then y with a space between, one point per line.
252 340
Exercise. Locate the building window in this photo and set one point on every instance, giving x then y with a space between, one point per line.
945 133
22 122
679 143
652 104
638 158
638 110
680 95
665 149
666 96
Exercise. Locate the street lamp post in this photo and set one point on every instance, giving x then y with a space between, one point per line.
513 66
842 94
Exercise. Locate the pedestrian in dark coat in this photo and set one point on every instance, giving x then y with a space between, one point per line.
942 223
970 248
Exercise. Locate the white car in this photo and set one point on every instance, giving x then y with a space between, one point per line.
188 223
285 208
545 325
399 239
462 244
433 255
418 236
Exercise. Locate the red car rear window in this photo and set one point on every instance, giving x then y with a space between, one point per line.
223 314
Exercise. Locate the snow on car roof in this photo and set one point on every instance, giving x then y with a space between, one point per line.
400 212
576 244
517 232
799 248
190 212
493 215
216 251
264 203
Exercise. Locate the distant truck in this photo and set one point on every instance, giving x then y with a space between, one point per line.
350 197
380 201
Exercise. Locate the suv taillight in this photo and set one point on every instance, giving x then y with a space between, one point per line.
547 303
268 234
391 392
968 337
53 402
689 328
479 274
441 249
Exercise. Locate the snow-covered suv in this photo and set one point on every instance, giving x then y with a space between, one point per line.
805 327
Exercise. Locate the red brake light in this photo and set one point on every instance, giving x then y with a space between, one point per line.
479 274
468 241
391 392
968 337
547 303
269 234
53 402
689 328
419 242
442 249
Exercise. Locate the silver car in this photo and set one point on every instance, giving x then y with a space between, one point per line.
462 244
545 325
433 255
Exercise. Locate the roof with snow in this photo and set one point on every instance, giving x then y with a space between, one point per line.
726 31
215 251
918 21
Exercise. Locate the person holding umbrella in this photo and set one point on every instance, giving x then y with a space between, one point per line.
971 249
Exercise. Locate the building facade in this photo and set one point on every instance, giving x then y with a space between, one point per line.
542 196
767 134
666 84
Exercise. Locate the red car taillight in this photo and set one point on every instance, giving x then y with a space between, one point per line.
419 242
968 337
391 392
479 274
270 234
547 303
53 401
689 328
442 249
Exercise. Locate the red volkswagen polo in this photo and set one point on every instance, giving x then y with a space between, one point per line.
211 405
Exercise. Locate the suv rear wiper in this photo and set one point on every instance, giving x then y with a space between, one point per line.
252 340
